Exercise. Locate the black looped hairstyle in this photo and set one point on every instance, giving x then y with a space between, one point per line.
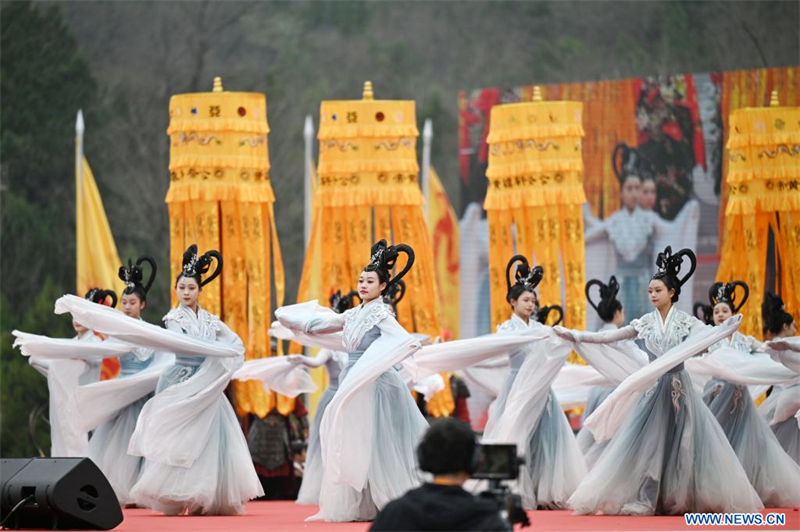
608 304
133 276
773 314
545 311
524 279
726 293
627 161
340 303
669 267
195 267
383 259
395 294
100 296
706 312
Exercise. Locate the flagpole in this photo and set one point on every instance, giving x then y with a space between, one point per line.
308 137
427 138
79 129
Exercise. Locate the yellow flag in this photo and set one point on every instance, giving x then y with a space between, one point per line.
97 260
443 226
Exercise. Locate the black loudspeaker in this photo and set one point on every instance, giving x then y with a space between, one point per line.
62 493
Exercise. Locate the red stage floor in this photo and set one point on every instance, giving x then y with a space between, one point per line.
289 517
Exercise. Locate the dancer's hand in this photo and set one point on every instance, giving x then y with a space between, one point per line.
566 334
295 359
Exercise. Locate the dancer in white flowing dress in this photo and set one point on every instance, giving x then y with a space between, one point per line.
108 447
668 454
196 457
64 376
554 464
779 324
372 426
611 311
334 362
771 471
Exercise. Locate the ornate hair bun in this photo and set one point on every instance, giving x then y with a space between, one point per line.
197 266
99 296
524 274
383 258
726 293
133 275
670 265
340 303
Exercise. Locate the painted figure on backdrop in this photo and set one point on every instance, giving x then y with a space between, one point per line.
625 242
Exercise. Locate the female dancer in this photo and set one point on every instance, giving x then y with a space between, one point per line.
771 471
372 426
334 362
779 324
612 313
108 447
669 455
554 465
64 376
196 457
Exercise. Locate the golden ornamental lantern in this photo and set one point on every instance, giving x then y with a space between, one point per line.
220 197
534 198
763 181
368 189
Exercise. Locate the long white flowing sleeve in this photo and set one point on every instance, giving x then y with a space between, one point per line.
278 374
35 345
346 452
98 402
331 341
461 354
610 352
111 322
528 395
175 425
573 383
609 416
737 367
310 318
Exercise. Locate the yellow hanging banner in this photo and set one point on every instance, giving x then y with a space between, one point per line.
220 197
534 199
368 189
763 184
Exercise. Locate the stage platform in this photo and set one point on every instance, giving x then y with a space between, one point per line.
289 517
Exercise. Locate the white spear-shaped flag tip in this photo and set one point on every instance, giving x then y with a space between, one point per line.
79 125
427 130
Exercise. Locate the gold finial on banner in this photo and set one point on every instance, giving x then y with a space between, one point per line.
218 84
368 94
773 99
537 93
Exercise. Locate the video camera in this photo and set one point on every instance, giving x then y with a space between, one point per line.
496 463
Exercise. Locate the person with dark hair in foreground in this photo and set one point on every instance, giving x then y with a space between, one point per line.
448 452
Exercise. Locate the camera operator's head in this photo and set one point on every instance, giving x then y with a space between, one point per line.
448 451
